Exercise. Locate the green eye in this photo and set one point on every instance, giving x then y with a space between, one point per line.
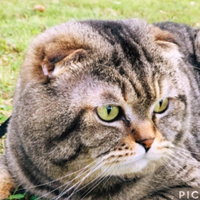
108 113
161 106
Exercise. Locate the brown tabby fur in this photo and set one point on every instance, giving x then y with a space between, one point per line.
57 146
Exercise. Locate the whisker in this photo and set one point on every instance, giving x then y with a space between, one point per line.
104 175
93 169
186 156
95 178
78 175
178 166
116 169
170 166
50 182
185 150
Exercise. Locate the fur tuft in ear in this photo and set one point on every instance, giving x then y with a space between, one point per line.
163 38
55 62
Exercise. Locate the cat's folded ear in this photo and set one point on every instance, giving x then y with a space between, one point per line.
167 45
164 39
57 61
51 54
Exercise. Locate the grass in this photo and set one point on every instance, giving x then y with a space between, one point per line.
20 23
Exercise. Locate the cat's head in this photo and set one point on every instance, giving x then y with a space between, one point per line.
100 98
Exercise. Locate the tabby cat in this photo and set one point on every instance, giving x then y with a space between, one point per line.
107 110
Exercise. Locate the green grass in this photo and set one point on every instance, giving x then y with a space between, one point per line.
20 23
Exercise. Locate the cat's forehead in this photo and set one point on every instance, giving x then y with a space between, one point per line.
127 54
111 87
140 83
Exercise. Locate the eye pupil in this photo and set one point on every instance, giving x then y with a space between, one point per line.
109 108
160 103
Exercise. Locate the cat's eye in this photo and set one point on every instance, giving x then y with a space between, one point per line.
161 106
108 113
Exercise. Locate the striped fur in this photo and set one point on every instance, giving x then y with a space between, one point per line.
57 146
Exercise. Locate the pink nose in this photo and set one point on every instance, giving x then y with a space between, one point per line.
146 143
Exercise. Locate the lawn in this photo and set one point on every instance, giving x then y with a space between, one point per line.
20 23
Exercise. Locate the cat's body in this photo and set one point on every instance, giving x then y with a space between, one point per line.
108 110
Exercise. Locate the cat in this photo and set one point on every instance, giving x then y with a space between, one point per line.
107 110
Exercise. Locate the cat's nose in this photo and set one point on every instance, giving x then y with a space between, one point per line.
146 143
